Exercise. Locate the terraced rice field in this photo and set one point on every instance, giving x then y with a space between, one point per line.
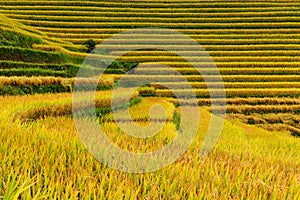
254 44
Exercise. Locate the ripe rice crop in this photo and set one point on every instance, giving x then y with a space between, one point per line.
162 1
102 100
209 19
242 101
272 118
211 78
164 25
245 92
242 47
17 81
140 112
177 85
153 4
45 47
204 42
48 150
78 37
185 31
277 53
292 59
142 8
254 44
271 121
152 14
223 71
263 109
250 65
32 85
166 40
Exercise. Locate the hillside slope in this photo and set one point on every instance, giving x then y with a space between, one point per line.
254 44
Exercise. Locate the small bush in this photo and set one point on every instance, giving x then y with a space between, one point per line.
90 44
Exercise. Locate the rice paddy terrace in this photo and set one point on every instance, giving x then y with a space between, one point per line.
254 44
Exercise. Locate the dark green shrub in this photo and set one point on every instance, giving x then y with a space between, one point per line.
90 44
